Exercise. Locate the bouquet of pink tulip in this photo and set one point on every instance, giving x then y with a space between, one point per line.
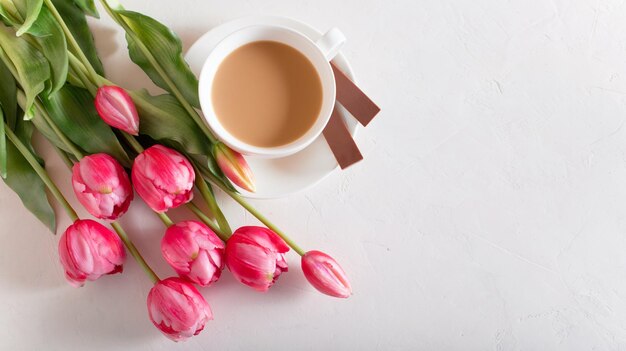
51 80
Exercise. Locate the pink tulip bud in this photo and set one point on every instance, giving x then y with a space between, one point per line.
102 186
88 250
194 251
117 109
177 309
163 178
256 257
234 166
325 274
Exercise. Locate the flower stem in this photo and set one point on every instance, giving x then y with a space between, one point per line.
41 172
165 219
209 198
257 214
134 252
155 64
133 142
81 72
73 43
206 220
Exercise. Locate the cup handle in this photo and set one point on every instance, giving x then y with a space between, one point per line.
331 42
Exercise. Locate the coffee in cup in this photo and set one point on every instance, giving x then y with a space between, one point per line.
269 91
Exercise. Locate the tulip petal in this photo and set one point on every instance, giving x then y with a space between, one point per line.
177 309
117 109
325 274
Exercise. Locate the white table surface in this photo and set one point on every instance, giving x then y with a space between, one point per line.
489 212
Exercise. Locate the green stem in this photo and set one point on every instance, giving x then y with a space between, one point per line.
133 142
41 172
206 220
209 198
79 69
256 214
134 252
166 220
155 64
73 43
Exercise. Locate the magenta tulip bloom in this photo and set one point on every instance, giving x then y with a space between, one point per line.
194 251
163 178
117 109
325 274
177 309
88 250
102 186
234 166
256 256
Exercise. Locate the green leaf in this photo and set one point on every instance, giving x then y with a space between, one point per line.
73 111
9 13
88 7
167 50
8 91
165 120
29 10
25 182
41 125
50 39
31 66
76 21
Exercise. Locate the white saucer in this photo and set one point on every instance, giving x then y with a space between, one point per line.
289 175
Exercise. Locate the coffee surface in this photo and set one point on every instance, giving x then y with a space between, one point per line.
267 94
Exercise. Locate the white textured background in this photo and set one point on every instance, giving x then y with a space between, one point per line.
489 213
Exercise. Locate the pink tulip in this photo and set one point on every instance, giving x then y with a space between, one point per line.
325 274
163 178
177 309
194 251
88 250
117 109
234 166
102 186
256 256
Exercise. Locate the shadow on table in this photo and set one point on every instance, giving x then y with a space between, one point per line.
112 308
30 261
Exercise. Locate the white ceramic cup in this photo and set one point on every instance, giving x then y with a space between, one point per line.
319 53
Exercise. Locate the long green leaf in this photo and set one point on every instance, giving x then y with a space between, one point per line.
50 40
41 125
29 10
73 111
31 66
23 179
88 7
166 48
76 21
20 14
9 13
8 90
165 120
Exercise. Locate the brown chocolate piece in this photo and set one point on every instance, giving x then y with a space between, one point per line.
340 141
354 99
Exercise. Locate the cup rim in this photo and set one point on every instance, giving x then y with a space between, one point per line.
209 115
